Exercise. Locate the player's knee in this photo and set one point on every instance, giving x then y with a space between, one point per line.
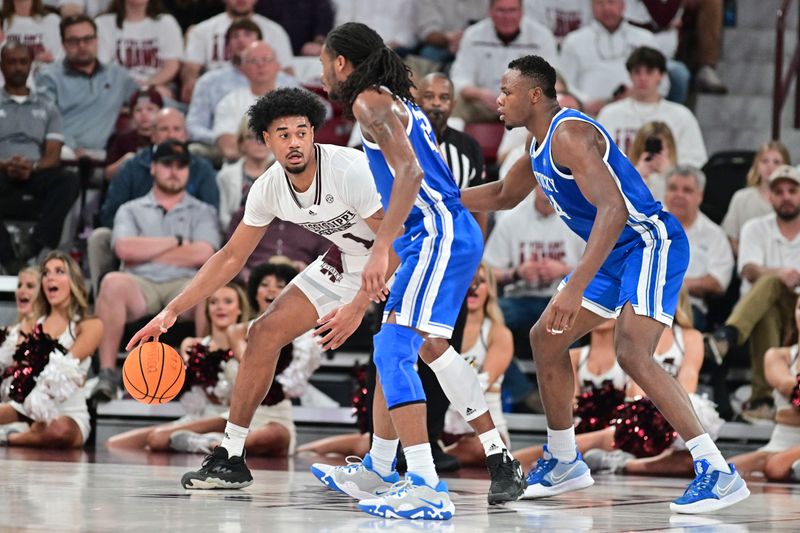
396 350
541 346
60 434
265 331
158 441
433 348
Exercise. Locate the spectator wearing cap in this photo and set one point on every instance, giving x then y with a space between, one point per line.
769 264
88 93
31 180
205 42
711 258
143 106
144 39
485 51
162 239
646 67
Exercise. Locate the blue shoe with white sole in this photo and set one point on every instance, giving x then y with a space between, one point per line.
412 499
551 476
711 490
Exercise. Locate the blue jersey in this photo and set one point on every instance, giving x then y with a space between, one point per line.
572 206
438 183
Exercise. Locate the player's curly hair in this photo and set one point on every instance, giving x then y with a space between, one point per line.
374 63
286 102
538 70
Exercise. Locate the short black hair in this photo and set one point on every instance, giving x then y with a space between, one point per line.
538 70
72 20
285 102
282 271
644 56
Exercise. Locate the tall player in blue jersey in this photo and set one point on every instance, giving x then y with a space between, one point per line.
439 247
633 267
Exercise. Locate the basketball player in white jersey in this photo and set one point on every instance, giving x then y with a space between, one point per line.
326 189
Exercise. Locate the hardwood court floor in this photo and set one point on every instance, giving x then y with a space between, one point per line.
100 492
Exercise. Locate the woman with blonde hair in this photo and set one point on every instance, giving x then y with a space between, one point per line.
212 363
753 200
618 450
488 347
24 298
654 152
44 402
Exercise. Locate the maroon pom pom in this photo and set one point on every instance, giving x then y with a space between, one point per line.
597 406
795 396
360 407
641 429
203 366
31 357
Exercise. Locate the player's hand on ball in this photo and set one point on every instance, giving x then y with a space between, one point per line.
373 277
562 311
337 326
158 325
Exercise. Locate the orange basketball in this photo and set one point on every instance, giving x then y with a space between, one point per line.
153 373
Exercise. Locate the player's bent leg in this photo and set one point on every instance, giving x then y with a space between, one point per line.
288 317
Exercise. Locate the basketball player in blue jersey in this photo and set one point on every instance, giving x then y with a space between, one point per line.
635 259
439 247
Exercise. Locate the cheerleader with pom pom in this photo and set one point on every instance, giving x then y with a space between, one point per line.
211 366
42 389
639 440
779 460
24 297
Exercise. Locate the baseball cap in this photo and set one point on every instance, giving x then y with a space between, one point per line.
171 151
148 93
785 172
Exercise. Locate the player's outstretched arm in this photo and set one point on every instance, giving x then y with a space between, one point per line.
505 193
380 120
580 147
222 267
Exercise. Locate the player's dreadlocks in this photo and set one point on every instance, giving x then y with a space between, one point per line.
374 63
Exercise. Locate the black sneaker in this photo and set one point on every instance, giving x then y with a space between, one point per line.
508 480
219 472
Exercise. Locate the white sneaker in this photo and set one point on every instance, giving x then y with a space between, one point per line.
190 442
412 499
357 478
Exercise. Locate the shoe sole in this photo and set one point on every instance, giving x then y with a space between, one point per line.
422 513
540 491
710 505
214 484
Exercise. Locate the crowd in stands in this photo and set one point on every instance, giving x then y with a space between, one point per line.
143 103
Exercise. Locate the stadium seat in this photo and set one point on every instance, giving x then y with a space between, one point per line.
726 173
488 135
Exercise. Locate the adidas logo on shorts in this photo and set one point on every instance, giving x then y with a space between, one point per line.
470 410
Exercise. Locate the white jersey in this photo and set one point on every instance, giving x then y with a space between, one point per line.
342 196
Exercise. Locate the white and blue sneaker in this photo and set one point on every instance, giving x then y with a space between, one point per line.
711 490
551 476
357 478
412 498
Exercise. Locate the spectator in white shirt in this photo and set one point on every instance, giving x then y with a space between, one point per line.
261 67
486 49
711 259
441 25
769 259
561 16
653 152
29 23
753 201
623 118
394 20
205 43
140 36
593 57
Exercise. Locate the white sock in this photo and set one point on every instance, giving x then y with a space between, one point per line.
460 384
492 443
561 444
234 439
702 447
382 453
420 462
